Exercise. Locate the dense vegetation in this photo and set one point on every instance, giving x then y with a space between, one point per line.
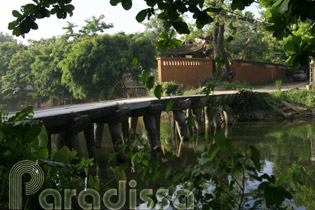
87 65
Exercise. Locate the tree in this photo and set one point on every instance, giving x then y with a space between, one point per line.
70 28
95 66
95 25
47 74
19 77
7 51
5 38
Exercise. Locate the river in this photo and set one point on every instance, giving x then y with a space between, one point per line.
282 146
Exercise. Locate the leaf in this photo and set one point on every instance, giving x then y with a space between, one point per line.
12 25
281 180
127 4
112 156
158 91
169 105
124 166
190 120
15 13
69 8
151 3
29 8
230 147
144 77
176 43
32 24
114 2
141 15
150 82
284 6
213 154
220 138
237 4
236 169
293 44
255 157
135 62
181 27
64 155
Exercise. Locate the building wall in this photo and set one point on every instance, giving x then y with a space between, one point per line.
194 71
256 72
185 71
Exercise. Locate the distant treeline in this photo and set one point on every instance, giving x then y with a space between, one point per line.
84 66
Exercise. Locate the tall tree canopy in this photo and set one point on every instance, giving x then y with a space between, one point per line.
80 64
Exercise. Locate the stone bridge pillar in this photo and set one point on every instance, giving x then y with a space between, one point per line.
152 123
179 117
69 137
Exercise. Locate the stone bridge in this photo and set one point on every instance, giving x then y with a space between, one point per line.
122 117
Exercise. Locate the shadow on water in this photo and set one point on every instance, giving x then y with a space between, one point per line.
281 144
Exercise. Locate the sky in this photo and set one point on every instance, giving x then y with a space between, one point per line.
121 19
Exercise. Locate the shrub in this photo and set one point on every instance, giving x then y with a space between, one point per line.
247 100
172 88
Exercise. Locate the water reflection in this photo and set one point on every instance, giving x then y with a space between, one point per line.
281 144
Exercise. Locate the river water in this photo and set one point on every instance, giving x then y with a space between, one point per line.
282 145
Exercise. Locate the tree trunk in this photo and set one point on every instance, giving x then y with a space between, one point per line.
223 73
218 49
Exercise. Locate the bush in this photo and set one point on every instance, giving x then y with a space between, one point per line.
235 85
247 100
172 88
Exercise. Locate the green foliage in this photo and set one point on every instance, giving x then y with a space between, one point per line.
95 68
167 41
6 38
247 100
95 25
18 141
172 88
7 51
259 44
47 74
41 72
235 85
278 84
300 97
18 77
22 138
25 19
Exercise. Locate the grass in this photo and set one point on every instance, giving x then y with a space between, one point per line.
273 82
299 97
194 91
236 85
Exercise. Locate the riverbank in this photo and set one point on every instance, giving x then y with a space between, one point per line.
253 106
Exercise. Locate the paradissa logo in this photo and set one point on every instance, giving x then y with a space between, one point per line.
37 180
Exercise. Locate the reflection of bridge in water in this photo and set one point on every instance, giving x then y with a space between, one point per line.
122 117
